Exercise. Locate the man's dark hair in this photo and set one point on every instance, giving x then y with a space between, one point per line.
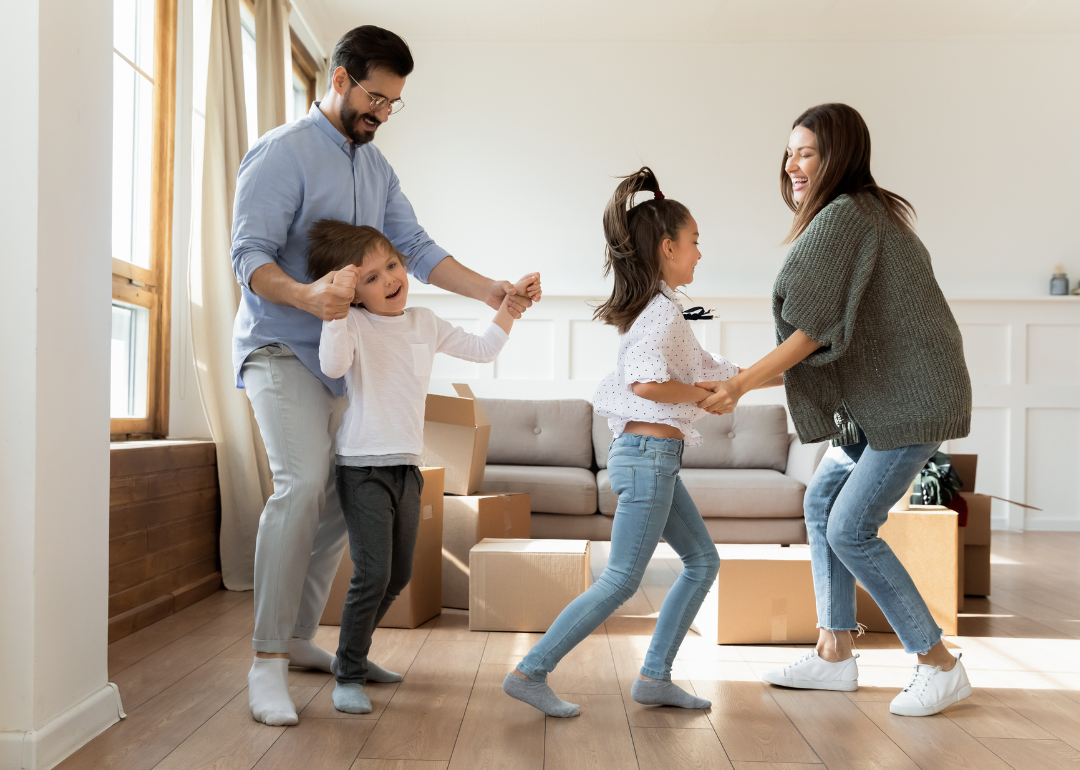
333 245
362 49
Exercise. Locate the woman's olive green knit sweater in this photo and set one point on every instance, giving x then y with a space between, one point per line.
891 356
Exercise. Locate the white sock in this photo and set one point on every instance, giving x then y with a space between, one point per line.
268 692
304 653
376 673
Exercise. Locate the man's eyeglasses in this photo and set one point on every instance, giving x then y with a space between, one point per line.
378 102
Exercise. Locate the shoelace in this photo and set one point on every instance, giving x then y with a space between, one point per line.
800 661
921 680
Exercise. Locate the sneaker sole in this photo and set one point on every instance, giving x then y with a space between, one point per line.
927 711
809 684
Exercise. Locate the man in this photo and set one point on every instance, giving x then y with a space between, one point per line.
322 166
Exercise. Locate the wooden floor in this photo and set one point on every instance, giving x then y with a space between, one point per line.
183 682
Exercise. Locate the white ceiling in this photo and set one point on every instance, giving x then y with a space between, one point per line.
691 20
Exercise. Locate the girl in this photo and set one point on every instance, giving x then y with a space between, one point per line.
874 362
650 401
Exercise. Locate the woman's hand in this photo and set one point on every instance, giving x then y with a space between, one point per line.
724 399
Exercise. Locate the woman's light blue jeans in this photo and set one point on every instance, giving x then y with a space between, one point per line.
653 502
846 503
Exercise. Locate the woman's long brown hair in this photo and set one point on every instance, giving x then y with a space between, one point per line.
844 146
633 235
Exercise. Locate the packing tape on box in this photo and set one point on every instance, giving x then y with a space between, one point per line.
428 512
507 524
779 620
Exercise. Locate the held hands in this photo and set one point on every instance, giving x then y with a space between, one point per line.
725 398
330 296
517 297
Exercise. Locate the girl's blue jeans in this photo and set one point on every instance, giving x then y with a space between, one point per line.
653 503
846 503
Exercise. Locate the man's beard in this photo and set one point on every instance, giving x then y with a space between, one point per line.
350 120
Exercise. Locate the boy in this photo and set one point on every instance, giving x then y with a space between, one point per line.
384 351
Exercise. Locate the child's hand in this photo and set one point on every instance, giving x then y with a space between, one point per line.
529 286
347 277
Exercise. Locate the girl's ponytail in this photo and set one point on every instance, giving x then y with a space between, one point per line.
633 235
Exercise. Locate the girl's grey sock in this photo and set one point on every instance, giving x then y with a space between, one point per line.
350 698
538 695
660 692
376 673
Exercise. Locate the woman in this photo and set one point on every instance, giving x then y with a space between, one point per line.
873 361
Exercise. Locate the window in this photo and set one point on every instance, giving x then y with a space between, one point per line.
144 76
251 82
304 71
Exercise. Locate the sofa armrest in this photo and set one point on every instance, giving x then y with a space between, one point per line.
803 459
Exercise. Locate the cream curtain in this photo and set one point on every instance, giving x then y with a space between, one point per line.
273 61
243 471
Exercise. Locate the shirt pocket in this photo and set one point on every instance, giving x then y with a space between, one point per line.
421 359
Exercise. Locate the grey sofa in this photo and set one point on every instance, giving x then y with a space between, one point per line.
748 478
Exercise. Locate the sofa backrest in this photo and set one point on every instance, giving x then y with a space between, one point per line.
750 437
525 432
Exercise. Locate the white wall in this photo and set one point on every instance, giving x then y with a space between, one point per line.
507 149
54 394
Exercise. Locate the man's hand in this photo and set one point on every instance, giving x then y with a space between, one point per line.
725 398
329 297
520 296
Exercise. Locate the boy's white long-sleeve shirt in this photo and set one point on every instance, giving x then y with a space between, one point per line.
386 363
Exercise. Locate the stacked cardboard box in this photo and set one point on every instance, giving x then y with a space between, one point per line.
422 598
467 520
456 434
523 585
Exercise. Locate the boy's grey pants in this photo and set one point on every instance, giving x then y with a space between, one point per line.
382 509
302 533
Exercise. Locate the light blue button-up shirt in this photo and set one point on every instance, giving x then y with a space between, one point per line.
294 176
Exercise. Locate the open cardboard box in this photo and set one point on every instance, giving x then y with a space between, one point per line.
456 434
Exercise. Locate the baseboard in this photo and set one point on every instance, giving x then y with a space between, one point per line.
1052 525
46 748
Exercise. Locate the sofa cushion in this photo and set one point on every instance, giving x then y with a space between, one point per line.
750 437
525 432
731 493
553 489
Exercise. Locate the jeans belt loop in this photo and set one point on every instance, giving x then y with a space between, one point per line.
641 444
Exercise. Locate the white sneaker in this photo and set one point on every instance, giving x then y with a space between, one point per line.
931 690
811 672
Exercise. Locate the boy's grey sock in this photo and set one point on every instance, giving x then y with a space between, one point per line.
660 692
376 673
350 698
538 695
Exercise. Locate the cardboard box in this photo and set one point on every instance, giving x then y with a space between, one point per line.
977 570
927 540
523 585
762 595
965 467
456 433
421 600
977 531
469 519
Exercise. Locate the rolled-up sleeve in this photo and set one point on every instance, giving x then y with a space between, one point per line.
269 191
408 237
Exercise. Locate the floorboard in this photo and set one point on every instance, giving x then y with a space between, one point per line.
183 684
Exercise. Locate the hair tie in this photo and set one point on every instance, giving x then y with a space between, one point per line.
658 196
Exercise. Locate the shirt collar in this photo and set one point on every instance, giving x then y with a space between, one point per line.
335 136
667 292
